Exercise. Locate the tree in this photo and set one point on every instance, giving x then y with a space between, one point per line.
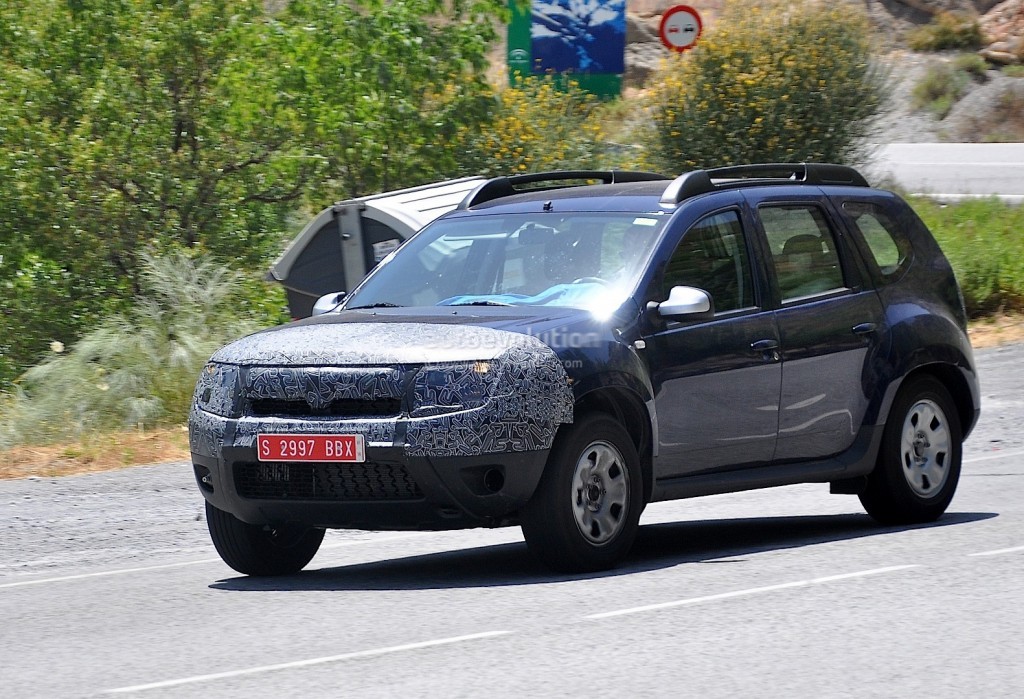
384 87
129 126
132 125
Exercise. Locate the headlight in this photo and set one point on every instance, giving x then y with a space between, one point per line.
449 388
219 390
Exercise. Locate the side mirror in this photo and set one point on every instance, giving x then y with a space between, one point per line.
687 303
328 302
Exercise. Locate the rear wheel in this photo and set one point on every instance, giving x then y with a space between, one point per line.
585 512
919 462
256 550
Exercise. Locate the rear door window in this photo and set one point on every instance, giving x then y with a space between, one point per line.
803 249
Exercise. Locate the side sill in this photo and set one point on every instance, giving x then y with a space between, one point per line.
854 463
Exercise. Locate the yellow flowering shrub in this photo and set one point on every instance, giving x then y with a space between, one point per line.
536 125
774 81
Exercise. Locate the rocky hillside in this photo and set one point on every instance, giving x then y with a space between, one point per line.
986 103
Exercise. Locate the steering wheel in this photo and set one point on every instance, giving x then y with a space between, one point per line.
591 280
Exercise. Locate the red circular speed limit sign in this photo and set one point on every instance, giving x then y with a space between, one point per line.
680 27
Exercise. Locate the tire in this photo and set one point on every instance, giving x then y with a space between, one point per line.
918 464
255 550
584 515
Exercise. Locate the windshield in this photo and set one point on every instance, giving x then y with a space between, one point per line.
579 260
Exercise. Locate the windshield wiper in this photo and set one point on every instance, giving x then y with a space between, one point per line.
479 303
382 304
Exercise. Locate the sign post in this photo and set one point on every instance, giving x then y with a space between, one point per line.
680 28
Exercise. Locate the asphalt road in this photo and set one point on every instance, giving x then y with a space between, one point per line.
108 585
952 170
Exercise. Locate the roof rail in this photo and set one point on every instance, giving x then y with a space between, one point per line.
499 187
691 184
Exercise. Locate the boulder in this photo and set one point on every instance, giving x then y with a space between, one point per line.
999 58
1004 22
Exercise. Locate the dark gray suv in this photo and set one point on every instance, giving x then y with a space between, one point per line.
564 348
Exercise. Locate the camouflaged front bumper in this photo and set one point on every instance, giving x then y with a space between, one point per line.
484 414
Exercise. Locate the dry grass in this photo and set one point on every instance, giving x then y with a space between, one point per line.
1002 329
120 449
102 452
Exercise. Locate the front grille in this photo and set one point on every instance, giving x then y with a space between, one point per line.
344 407
325 481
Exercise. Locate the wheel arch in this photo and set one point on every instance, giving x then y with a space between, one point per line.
630 411
925 342
952 378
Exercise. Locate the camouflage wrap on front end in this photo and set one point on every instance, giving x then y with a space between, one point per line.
527 397
482 391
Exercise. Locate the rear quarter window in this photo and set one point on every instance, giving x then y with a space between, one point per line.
887 246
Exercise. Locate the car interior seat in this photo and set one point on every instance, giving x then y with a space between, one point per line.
799 266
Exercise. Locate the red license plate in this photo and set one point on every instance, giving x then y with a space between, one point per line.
310 447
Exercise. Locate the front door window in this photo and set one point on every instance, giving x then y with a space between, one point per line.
713 256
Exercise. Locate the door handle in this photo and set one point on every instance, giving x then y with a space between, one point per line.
769 349
865 328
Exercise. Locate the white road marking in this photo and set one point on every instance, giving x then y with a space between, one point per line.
993 456
749 591
1009 198
143 569
928 164
306 663
104 573
998 552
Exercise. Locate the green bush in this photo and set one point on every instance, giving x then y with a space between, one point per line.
540 123
1015 71
137 368
939 89
947 30
981 238
773 81
973 65
40 301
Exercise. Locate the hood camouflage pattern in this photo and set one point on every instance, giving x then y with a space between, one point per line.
373 344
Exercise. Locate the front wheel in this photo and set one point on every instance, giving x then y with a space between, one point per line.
585 512
919 462
255 550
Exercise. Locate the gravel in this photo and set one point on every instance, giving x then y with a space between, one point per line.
130 517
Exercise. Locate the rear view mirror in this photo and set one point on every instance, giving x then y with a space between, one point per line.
328 302
536 234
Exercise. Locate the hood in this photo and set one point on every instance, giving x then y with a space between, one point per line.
413 336
365 344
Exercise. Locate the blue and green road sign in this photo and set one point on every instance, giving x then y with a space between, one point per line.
581 40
